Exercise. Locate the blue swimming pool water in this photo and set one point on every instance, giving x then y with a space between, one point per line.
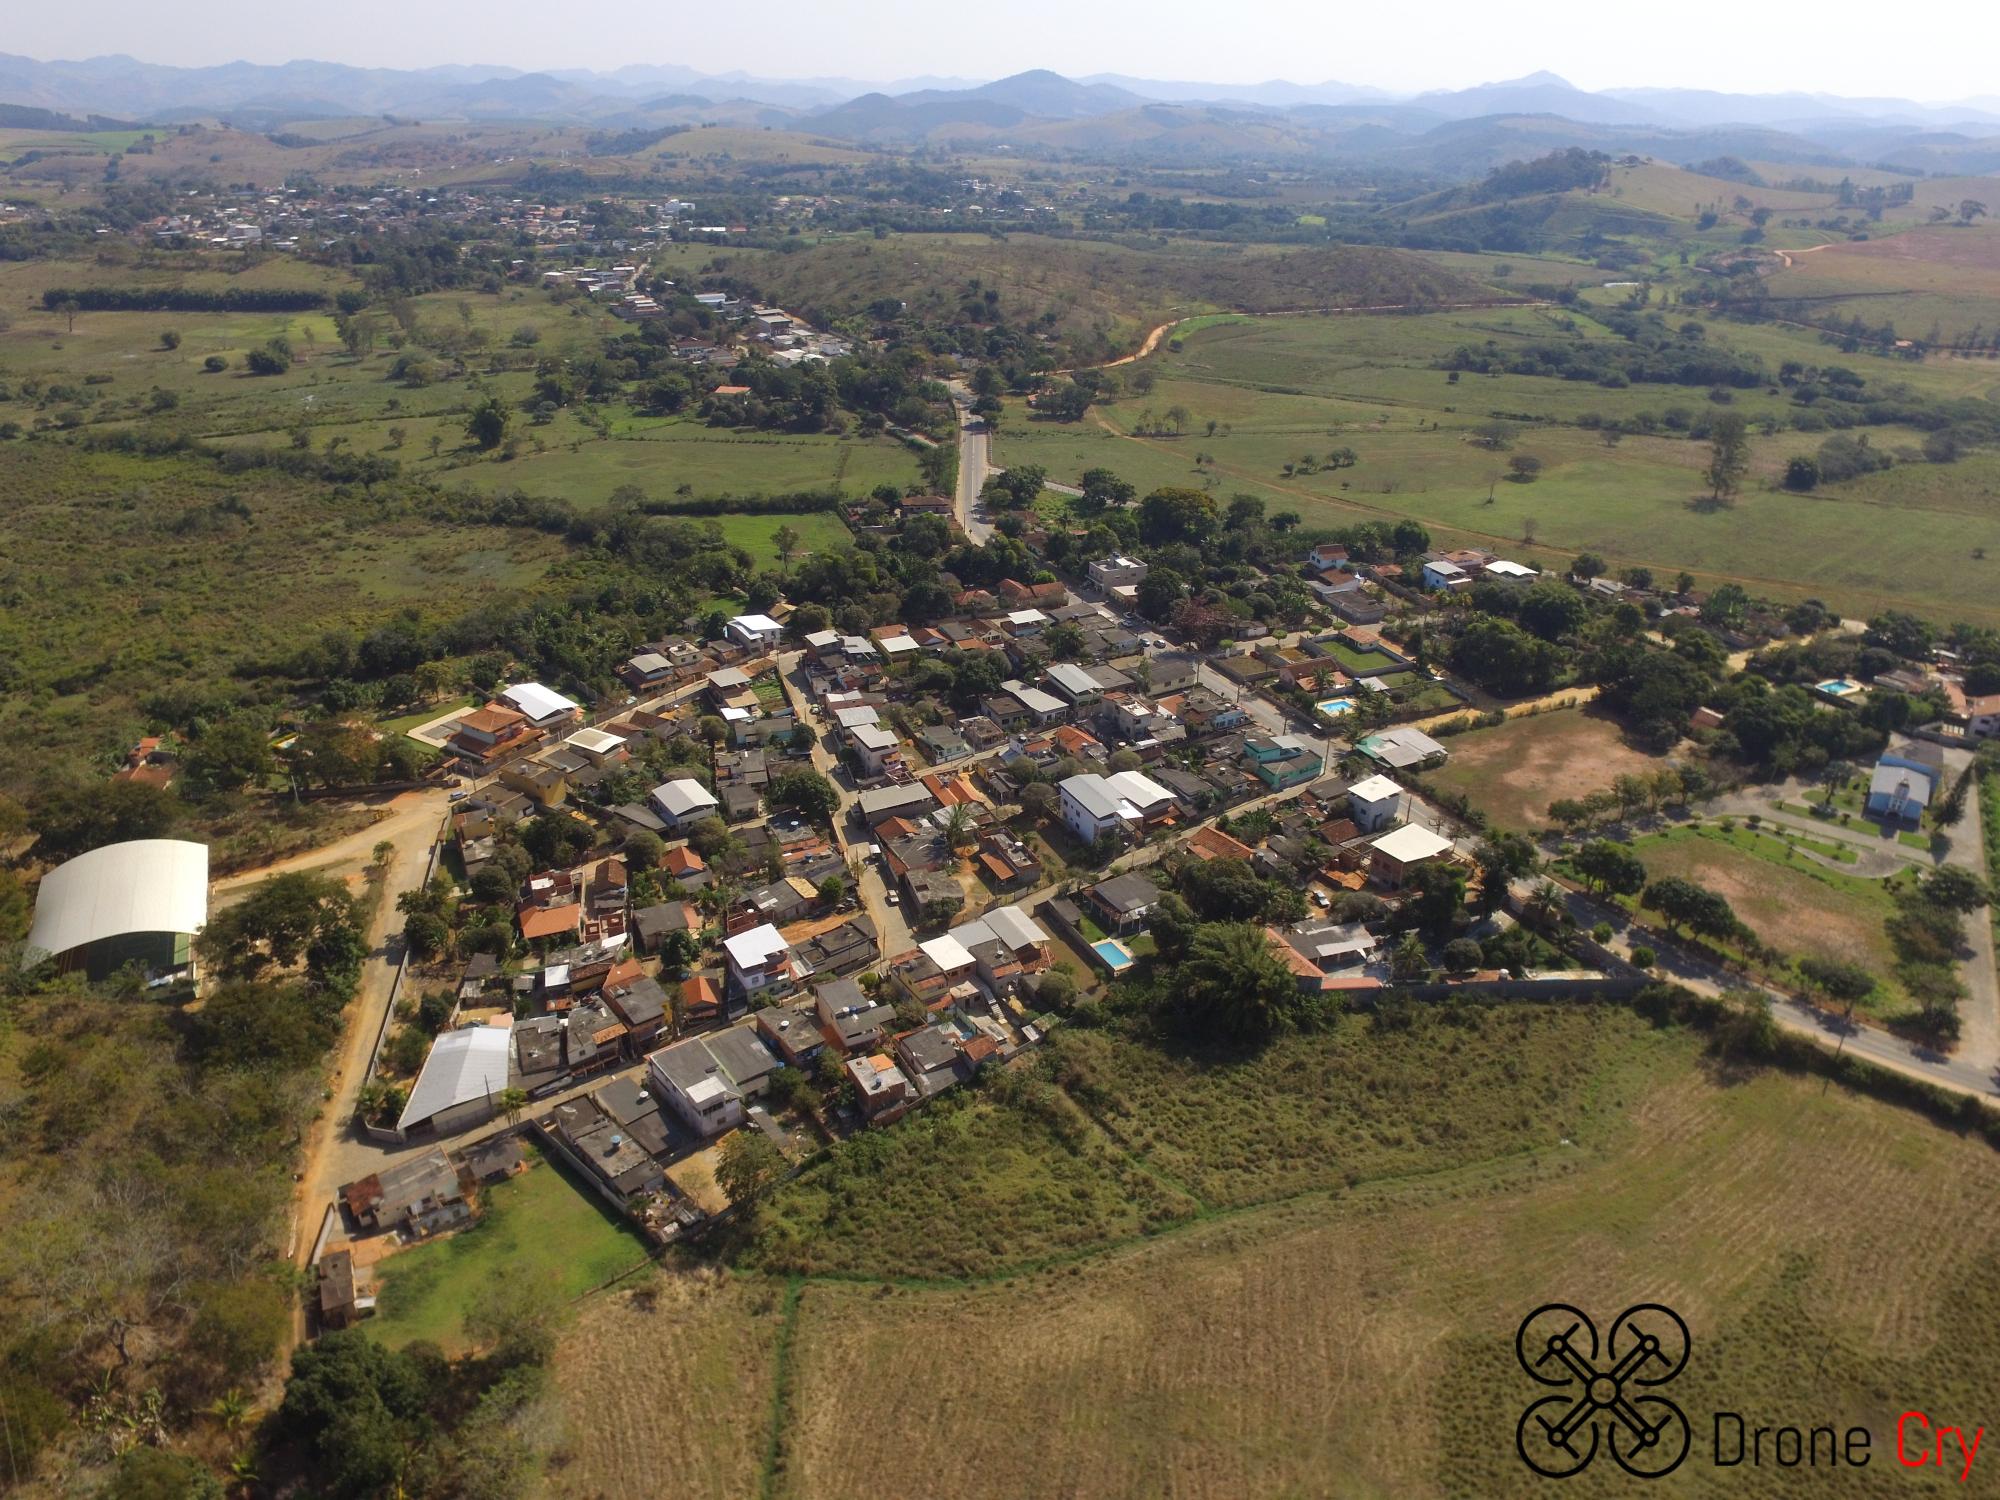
1113 953
1839 685
1334 705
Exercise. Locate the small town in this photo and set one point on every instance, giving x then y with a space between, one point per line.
733 767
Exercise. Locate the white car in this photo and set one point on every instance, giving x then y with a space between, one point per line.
894 898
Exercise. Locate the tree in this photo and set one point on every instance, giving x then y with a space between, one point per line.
1409 962
1462 955
68 309
1231 985
806 790
511 1102
487 426
1970 209
289 919
786 540
643 849
1588 565
749 1163
1801 474
1955 888
1683 904
426 935
1040 800
1611 869
273 359
170 339
228 757
1842 982
1728 454
1525 467
87 815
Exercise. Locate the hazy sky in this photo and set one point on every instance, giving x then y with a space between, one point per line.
1835 46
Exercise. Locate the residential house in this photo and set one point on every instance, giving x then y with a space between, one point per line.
538 1051
1394 855
876 807
646 671
1375 804
875 747
546 784
708 1080
884 1088
843 950
1324 555
758 632
641 1005
1402 749
491 734
700 1002
1007 859
791 1030
542 707
848 1019
940 1056
684 865
943 743
616 1152
760 959
418 1197
1126 802
1042 708
653 925
1124 902
1117 571
1074 684
339 1306
461 1081
683 802
1283 761
1332 947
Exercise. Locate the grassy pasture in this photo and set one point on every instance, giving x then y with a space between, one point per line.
1948 276
1513 771
1903 538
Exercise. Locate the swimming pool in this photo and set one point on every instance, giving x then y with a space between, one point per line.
1117 958
1332 706
1839 687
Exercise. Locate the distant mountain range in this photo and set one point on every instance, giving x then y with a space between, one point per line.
1044 111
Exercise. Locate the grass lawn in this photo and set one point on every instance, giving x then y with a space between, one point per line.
540 1226
1513 771
404 723
1797 906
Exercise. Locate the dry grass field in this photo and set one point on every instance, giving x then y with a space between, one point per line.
1355 1344
1513 771
667 1389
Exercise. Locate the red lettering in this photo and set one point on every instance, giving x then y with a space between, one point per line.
1902 1454
1967 1450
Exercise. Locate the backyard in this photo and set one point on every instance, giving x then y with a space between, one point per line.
540 1228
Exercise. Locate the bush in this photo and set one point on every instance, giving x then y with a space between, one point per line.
1644 958
215 364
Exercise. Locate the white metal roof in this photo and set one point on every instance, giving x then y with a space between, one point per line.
947 953
749 949
854 718
145 885
1092 793
873 737
757 624
1073 679
1138 789
1374 789
682 797
1027 617
1014 927
463 1066
536 701
1411 843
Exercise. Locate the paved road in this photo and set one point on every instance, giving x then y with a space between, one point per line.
1264 713
1967 1072
891 930
974 467
1981 1011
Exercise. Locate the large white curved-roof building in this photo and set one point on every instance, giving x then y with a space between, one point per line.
139 902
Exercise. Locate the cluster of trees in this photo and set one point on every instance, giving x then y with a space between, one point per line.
142 1273
363 1419
1651 354
1926 929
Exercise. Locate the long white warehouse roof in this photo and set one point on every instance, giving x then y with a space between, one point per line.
146 885
464 1065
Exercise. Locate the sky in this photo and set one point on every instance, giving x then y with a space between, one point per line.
1830 46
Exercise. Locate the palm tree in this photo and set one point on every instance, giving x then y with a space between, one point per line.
1544 909
1233 984
512 1102
958 826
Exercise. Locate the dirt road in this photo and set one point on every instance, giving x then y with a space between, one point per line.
410 815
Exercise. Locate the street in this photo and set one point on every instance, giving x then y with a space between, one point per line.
973 469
